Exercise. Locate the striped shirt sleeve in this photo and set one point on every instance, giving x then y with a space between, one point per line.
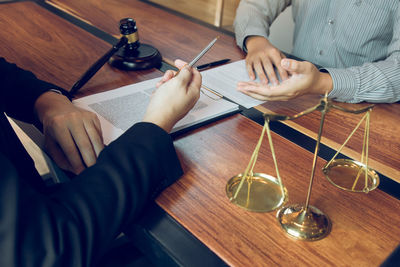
356 41
377 82
254 17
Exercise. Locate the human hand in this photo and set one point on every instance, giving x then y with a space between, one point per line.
175 96
73 136
261 58
305 79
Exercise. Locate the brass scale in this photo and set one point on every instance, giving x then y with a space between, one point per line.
260 192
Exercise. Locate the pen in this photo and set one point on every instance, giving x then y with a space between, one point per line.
203 52
191 63
212 64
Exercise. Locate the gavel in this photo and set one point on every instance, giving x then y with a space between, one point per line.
134 55
127 54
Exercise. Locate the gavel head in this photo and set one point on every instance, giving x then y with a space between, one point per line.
134 55
127 27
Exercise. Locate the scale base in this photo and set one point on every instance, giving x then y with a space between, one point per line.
302 224
260 193
143 57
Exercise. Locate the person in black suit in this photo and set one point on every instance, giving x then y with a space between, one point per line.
71 224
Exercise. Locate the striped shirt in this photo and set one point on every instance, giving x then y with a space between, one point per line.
356 41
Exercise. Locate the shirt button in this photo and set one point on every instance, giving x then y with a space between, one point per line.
320 52
330 22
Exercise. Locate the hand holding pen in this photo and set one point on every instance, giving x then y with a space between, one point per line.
200 55
174 97
181 64
169 74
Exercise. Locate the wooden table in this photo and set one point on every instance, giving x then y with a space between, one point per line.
174 36
365 226
213 154
59 52
182 43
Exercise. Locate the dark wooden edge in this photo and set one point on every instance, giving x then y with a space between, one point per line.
163 240
12 1
393 260
198 125
166 243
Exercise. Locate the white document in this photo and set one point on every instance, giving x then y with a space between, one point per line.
224 79
120 108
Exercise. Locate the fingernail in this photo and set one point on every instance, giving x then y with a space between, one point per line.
285 63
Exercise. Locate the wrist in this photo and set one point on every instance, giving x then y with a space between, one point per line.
325 83
255 41
160 121
47 101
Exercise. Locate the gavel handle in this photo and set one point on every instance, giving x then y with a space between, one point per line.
97 65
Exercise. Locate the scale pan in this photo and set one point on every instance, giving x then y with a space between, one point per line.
261 193
343 174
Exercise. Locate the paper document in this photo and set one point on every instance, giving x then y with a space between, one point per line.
224 79
120 108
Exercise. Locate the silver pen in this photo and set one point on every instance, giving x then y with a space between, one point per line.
199 55
203 52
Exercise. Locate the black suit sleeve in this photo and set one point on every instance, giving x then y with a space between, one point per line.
74 224
19 91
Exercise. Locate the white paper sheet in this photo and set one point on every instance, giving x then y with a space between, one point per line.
120 108
224 79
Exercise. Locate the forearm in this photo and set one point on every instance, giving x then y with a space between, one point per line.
254 18
324 84
373 81
20 90
79 220
377 82
46 102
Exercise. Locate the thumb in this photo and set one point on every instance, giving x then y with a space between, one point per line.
184 76
292 65
195 83
180 63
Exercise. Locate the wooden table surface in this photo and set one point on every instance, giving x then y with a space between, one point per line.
174 36
365 226
59 52
184 42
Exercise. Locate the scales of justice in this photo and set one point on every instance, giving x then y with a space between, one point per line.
260 192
